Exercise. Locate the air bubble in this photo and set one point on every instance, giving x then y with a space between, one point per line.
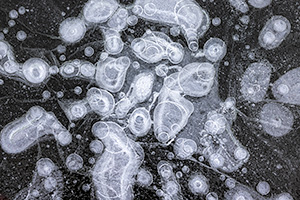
13 14
179 174
77 111
198 184
72 30
241 153
141 88
5 30
132 20
135 65
144 178
277 120
283 196
61 48
46 94
255 81
185 148
216 21
86 187
78 90
11 67
11 23
122 107
240 5
96 146
50 184
259 3
101 101
21 10
212 196
21 35
118 21
230 183
35 70
263 187
279 25
89 51
175 52
64 138
113 43
62 58
245 19
185 169
99 11
60 94
175 31
216 160
196 79
88 70
274 32
45 167
74 162
165 169
111 73
139 122
215 49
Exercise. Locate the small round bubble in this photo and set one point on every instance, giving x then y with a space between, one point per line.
216 21
46 94
230 183
87 69
198 184
35 70
62 58
5 30
50 184
78 90
21 35
89 51
179 174
245 19
22 10
74 162
132 20
263 187
61 48
59 94
45 167
86 187
64 138
92 160
185 169
53 69
135 64
13 14
96 146
144 177
11 23
72 30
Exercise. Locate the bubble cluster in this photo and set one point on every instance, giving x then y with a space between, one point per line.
161 104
